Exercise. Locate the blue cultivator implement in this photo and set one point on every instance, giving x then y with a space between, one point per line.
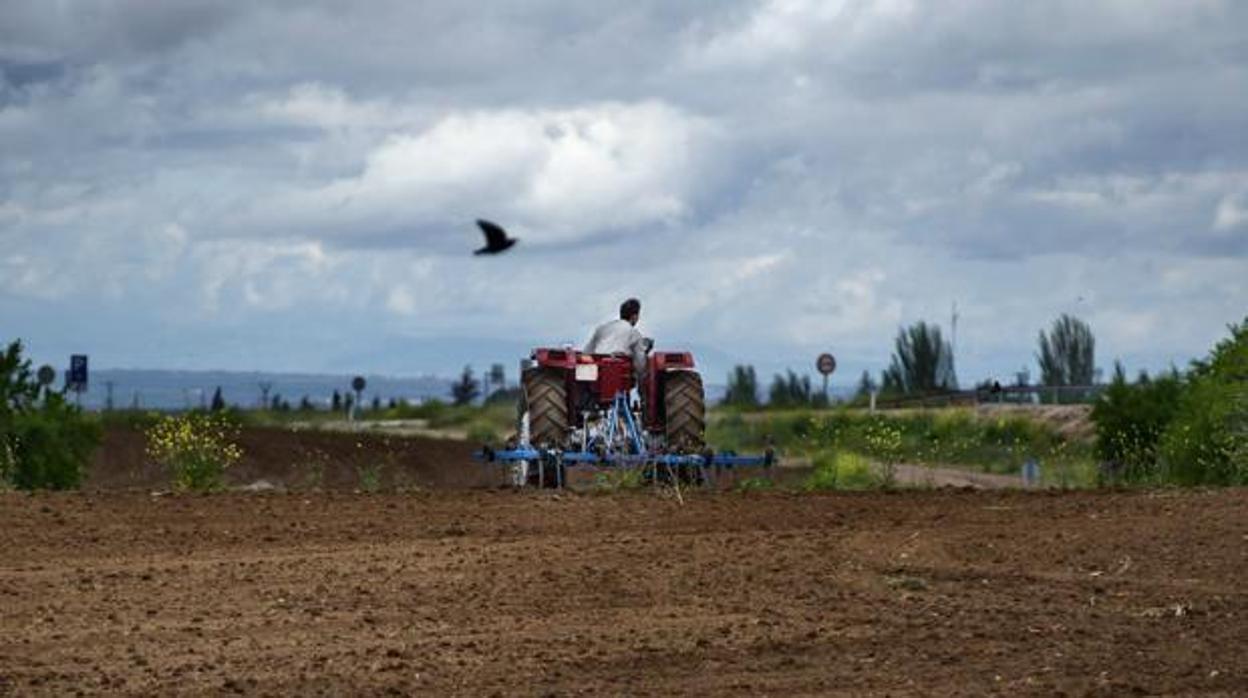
575 412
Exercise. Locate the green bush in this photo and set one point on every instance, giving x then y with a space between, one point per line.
1129 420
1207 441
54 445
841 470
196 447
1184 430
45 442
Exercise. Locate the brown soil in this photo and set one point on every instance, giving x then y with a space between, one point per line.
906 474
305 460
936 592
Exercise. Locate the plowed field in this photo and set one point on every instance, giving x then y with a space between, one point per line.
496 592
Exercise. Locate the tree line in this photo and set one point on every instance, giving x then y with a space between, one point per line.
922 364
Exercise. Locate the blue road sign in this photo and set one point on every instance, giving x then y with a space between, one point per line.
77 372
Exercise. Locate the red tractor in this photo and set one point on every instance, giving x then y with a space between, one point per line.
576 409
566 392
576 402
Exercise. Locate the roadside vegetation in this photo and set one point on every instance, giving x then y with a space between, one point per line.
1180 428
45 441
842 443
1185 428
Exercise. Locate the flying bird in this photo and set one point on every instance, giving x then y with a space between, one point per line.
496 239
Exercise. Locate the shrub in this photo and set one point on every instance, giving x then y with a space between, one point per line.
196 447
1186 431
54 445
45 442
825 473
1129 421
840 470
1207 441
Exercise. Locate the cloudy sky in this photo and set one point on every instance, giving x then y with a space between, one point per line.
291 186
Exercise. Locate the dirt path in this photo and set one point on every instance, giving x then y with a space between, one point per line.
494 592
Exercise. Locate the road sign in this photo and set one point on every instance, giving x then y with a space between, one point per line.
826 363
46 375
77 372
358 383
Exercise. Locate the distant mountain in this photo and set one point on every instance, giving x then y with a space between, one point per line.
165 390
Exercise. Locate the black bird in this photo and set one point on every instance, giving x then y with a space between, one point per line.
496 239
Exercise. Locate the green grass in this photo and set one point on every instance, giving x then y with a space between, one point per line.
842 470
938 437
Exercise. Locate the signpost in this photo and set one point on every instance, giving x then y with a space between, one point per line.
826 363
76 379
46 375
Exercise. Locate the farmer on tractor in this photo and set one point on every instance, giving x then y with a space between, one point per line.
622 337
575 409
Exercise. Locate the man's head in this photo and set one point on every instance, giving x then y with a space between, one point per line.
630 310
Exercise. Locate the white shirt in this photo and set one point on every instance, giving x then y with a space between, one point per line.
619 337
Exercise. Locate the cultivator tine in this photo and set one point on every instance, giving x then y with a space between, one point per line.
705 467
708 458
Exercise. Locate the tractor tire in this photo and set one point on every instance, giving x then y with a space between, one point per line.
545 396
684 404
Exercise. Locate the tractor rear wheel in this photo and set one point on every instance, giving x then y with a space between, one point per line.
546 399
684 403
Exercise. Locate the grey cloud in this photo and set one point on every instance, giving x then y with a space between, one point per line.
108 30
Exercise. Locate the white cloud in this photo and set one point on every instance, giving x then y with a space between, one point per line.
555 175
1232 213
265 277
782 29
328 107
